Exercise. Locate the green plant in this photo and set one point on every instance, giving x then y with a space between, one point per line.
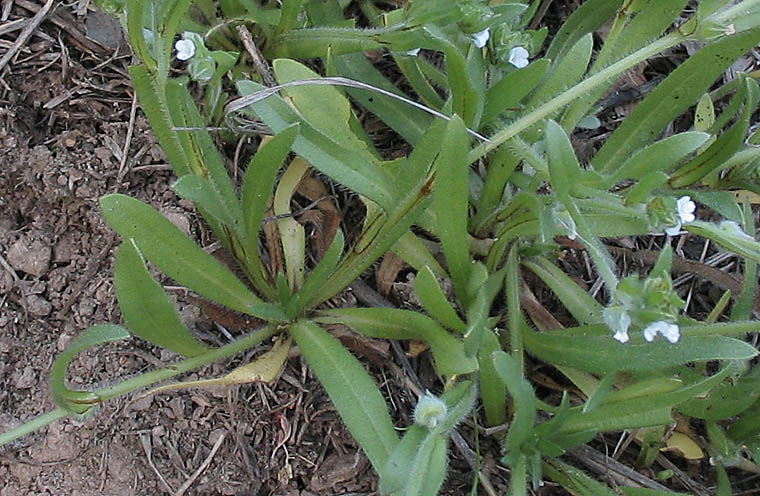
530 192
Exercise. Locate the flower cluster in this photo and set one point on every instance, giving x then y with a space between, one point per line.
650 305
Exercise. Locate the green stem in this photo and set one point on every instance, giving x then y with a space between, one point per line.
147 379
740 10
35 424
575 92
188 364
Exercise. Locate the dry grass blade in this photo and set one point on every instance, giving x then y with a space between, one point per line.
244 101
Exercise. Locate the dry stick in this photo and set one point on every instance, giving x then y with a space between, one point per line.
79 39
25 34
370 297
148 448
604 465
127 142
203 467
682 477
257 96
259 62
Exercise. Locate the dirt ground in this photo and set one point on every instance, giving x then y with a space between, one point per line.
66 109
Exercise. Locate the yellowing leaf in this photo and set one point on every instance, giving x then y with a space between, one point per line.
684 446
263 369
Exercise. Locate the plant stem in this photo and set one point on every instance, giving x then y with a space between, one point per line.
36 423
188 364
575 92
147 379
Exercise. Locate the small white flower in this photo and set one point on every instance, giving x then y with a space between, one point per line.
671 332
518 57
621 336
185 49
480 39
413 52
685 210
617 319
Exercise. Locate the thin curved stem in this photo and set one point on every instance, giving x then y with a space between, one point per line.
147 379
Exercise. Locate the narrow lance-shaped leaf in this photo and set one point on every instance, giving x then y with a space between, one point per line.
672 97
592 348
586 19
146 308
153 103
80 401
450 202
524 400
180 258
292 234
322 152
390 323
435 302
201 148
258 184
352 391
512 88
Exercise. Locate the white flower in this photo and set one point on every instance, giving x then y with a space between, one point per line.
185 49
480 39
686 209
617 319
671 332
413 52
518 57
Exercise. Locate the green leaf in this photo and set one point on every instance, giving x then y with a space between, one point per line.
396 473
512 88
80 402
351 389
199 191
584 308
146 308
153 103
493 392
258 184
710 162
592 349
660 156
726 400
524 400
344 165
435 302
414 252
316 101
566 72
564 168
180 258
729 235
671 98
406 120
390 323
586 19
650 19
318 276
450 200
205 158
745 302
